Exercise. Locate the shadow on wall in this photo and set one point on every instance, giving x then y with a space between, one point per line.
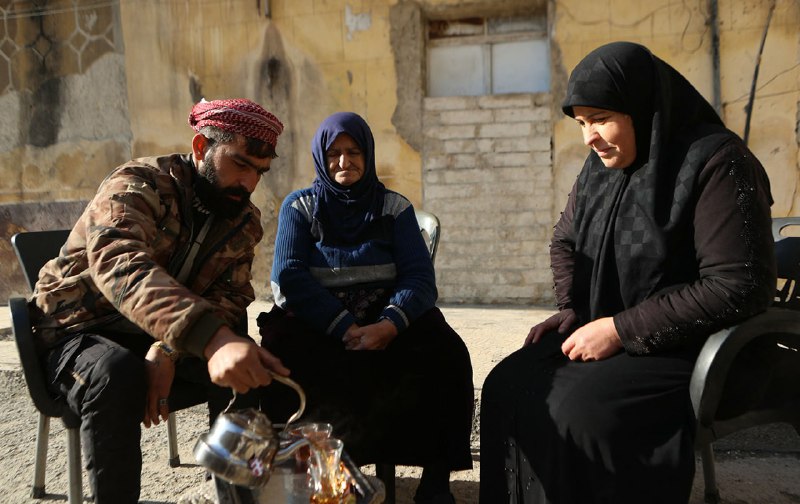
33 216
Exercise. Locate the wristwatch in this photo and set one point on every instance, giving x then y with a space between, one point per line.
166 349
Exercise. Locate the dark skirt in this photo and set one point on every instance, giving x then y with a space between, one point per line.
410 404
616 431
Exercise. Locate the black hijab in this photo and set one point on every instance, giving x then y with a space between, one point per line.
344 213
632 226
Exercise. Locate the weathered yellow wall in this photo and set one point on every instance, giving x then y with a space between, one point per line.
677 32
336 53
130 91
62 101
338 56
347 44
308 60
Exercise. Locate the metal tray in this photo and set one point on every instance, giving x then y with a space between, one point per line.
368 490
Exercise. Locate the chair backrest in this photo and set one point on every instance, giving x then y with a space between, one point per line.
430 229
780 223
32 366
746 375
35 248
787 256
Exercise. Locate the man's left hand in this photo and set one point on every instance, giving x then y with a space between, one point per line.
597 340
159 372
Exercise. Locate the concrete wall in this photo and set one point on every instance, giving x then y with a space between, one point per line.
84 88
487 174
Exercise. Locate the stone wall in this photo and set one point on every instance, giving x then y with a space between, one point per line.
487 175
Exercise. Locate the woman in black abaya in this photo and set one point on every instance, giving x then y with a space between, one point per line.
665 239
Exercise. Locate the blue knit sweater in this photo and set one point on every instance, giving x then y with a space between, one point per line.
392 255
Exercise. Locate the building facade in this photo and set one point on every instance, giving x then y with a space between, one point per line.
463 98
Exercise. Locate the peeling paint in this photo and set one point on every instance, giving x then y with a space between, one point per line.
356 22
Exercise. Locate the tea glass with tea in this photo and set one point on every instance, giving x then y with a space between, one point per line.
330 481
298 485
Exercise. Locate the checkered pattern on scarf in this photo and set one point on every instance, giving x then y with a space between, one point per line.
237 115
631 223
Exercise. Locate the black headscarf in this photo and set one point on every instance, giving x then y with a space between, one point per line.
344 213
633 226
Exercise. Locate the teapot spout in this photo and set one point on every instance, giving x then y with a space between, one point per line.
288 451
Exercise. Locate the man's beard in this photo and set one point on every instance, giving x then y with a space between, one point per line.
216 199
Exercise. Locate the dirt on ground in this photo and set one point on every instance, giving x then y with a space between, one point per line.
745 477
760 466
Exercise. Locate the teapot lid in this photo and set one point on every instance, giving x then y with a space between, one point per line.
250 419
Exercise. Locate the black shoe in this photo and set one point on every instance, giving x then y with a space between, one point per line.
439 498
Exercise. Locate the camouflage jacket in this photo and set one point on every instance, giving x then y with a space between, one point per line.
124 252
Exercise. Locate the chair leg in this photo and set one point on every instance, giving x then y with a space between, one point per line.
709 474
40 462
74 466
172 440
385 473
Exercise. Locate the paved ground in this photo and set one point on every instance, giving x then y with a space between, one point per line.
759 466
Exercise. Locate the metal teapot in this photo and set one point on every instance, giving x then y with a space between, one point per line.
242 445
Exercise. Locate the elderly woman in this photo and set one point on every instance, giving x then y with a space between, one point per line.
355 321
665 239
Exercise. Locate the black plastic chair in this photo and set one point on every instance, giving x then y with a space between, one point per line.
47 406
33 250
749 375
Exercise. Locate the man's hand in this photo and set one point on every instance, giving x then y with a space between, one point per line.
375 336
561 321
596 340
159 373
239 363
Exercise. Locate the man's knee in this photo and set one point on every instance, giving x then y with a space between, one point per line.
117 377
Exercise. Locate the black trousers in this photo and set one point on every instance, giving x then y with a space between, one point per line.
410 404
615 431
102 379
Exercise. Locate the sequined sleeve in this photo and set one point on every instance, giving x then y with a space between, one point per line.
562 249
735 260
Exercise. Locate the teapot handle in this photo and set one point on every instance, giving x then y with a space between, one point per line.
289 383
297 388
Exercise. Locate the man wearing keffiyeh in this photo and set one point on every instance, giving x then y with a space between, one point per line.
144 300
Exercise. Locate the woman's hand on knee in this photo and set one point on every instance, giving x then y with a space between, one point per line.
561 322
597 340
375 336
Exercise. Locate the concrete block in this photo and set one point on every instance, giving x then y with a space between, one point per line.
504 130
515 100
460 146
543 99
473 116
450 103
522 114
509 159
521 144
436 162
442 192
541 158
450 132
